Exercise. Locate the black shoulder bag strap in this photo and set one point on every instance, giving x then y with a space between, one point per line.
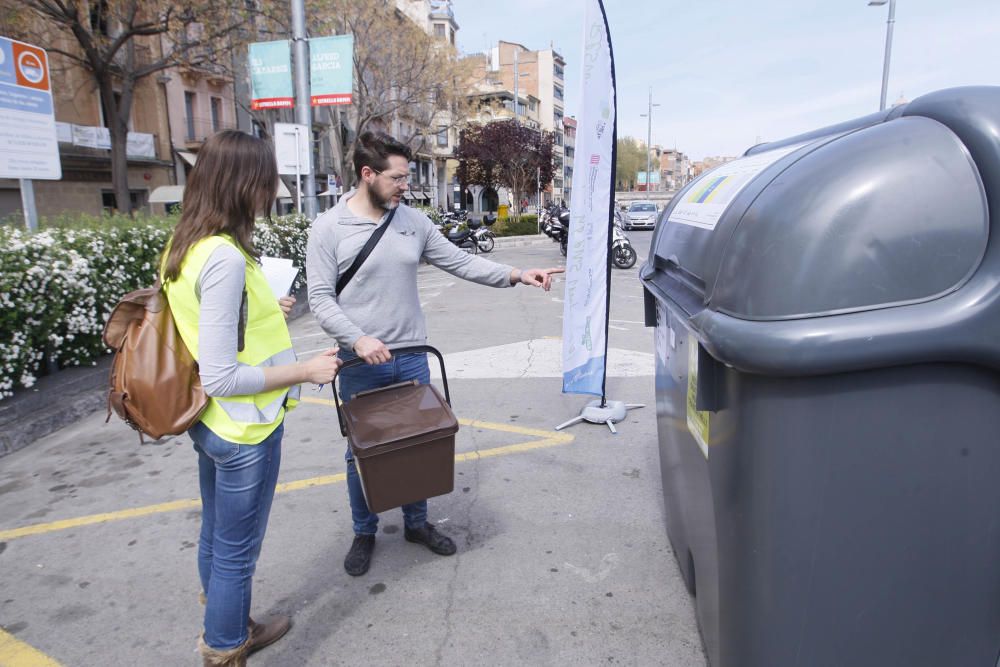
365 251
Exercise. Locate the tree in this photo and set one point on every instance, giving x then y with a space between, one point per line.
631 159
400 74
506 154
122 42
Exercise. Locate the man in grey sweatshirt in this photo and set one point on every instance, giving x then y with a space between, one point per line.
379 309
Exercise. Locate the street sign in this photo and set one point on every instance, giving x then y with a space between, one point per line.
271 76
292 150
331 70
288 137
29 147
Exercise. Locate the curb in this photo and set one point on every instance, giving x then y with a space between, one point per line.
521 241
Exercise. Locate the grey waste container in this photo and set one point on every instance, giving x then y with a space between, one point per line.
827 313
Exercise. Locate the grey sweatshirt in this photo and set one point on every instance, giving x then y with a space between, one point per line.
382 299
220 291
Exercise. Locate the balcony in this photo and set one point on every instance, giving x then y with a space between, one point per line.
200 128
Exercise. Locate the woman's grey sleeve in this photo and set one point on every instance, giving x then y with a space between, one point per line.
220 289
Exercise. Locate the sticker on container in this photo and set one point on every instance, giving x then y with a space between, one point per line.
698 421
660 333
709 197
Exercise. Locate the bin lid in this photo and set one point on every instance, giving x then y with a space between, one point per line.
886 211
396 417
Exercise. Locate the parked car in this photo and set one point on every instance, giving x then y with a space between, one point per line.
641 215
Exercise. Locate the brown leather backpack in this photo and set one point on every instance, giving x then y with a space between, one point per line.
155 386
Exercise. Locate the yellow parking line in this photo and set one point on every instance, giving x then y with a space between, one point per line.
14 653
545 439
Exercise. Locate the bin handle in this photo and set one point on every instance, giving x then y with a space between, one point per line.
410 349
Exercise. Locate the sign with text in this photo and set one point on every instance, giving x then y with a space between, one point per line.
331 70
271 76
29 144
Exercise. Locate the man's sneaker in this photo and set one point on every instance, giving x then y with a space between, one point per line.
429 536
359 558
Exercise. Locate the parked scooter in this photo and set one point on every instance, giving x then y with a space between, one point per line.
622 253
463 239
484 236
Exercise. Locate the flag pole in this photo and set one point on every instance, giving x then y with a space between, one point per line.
604 411
611 203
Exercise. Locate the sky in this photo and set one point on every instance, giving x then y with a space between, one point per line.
728 74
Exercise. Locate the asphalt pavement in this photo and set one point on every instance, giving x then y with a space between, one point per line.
563 557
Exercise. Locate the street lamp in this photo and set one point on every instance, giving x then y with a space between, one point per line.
649 134
888 45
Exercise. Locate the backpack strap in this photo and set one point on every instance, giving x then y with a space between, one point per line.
365 251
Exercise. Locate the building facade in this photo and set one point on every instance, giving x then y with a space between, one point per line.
85 141
540 74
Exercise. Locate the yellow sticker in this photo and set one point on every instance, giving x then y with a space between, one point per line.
697 420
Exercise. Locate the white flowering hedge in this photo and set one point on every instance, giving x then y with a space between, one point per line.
58 286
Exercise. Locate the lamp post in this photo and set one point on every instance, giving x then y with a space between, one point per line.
649 135
888 45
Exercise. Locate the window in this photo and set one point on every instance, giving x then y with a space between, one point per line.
442 136
439 30
189 113
558 71
557 92
570 151
557 139
110 203
216 114
451 32
99 17
557 117
532 105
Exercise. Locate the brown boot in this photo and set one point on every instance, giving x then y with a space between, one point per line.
265 634
234 657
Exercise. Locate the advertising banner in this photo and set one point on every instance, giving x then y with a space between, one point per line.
331 70
271 76
585 309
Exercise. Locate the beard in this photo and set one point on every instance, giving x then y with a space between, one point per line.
378 201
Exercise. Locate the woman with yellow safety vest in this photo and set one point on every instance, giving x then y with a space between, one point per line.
231 322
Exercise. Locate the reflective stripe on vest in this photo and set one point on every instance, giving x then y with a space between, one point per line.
240 419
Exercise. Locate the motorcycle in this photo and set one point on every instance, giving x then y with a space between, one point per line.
484 236
622 252
463 239
553 217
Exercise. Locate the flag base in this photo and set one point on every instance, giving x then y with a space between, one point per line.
598 411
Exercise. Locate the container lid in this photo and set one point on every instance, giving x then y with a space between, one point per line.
397 416
884 215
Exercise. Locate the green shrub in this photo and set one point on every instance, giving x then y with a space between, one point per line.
58 286
528 224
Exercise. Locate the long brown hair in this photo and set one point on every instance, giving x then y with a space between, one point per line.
234 179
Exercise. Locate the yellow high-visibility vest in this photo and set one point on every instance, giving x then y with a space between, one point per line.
246 420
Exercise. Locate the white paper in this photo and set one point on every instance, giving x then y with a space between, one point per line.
280 274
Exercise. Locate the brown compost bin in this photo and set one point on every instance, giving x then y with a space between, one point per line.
402 438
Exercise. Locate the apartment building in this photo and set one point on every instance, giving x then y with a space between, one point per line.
675 169
540 74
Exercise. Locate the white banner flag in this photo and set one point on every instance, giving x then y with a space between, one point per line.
585 309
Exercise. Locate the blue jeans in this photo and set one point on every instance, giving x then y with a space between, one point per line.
401 368
237 487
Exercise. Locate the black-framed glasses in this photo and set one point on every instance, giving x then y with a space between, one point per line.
397 180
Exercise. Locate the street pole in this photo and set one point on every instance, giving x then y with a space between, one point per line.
28 204
649 135
888 51
303 106
516 78
538 199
